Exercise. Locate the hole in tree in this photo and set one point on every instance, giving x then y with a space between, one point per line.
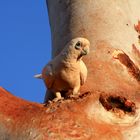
120 103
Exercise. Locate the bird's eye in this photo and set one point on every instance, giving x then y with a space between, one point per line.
78 45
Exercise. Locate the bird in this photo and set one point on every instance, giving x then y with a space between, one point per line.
66 72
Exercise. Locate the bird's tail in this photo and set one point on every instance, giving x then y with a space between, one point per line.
39 76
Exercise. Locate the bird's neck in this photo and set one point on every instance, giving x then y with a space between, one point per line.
69 56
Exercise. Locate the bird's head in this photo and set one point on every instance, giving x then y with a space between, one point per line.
79 47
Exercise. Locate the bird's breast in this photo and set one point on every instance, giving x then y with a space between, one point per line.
70 76
67 76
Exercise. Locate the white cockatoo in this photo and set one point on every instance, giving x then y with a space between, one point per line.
66 72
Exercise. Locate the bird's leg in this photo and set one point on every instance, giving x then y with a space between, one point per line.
75 92
58 96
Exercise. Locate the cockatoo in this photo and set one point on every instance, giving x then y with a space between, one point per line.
66 72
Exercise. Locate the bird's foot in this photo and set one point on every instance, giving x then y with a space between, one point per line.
74 96
57 99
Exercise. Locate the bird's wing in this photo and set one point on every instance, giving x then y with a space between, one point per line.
48 76
47 71
83 72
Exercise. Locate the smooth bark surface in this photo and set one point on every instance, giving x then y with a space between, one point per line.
108 108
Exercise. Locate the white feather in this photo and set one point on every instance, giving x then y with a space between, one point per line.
39 76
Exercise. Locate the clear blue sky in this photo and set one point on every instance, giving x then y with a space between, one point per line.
25 47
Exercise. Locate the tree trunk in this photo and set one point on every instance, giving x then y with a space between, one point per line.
108 107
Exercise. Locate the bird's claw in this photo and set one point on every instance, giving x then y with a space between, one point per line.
57 99
73 95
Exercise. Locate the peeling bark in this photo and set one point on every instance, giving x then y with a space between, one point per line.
128 63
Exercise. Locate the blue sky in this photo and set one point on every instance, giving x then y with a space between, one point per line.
25 47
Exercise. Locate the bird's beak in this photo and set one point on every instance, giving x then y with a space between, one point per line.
84 52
